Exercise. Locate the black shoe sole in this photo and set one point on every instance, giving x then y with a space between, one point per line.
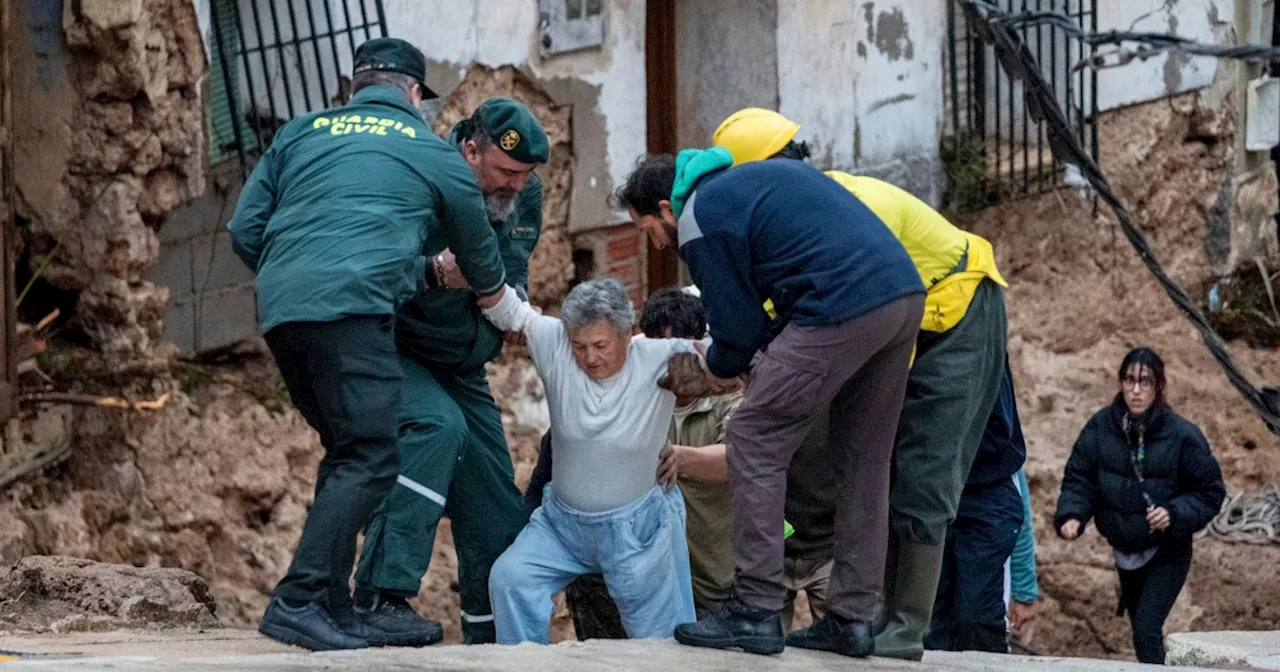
286 635
818 645
415 640
764 646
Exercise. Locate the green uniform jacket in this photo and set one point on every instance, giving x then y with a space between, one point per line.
335 214
443 328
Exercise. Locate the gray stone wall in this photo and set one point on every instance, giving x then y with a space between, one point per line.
211 298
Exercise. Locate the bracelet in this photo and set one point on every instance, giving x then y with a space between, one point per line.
438 263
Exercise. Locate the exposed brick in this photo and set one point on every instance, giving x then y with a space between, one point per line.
621 247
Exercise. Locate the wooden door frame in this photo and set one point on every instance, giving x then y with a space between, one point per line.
661 116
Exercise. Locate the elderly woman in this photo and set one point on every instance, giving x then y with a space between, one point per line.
1148 478
603 511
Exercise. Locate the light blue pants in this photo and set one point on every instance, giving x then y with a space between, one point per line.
640 548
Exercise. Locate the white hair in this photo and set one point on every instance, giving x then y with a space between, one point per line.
603 299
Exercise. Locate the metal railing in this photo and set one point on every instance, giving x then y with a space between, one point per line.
991 148
276 59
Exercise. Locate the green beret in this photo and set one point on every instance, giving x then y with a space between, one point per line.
514 129
393 55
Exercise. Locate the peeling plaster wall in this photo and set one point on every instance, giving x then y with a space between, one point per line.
605 86
864 81
720 71
1165 74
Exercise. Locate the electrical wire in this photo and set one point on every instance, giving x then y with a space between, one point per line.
996 28
1150 44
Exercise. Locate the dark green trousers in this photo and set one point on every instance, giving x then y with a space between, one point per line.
950 393
453 461
344 378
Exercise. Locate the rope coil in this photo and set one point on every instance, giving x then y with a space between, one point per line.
1249 518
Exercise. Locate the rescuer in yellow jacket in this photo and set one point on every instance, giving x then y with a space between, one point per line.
958 368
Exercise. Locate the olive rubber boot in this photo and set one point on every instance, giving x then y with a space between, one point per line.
909 593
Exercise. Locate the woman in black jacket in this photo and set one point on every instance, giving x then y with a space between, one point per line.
1148 479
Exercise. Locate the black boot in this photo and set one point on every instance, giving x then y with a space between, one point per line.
356 625
736 625
309 626
401 624
835 634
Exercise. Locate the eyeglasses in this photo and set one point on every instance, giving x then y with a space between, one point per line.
1144 383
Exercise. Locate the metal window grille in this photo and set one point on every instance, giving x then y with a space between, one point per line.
275 59
991 148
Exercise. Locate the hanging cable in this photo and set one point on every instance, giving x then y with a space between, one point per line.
996 28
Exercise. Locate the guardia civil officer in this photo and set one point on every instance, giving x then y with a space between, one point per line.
333 220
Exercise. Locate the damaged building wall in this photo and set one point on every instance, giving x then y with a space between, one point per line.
1164 74
603 85
850 72
739 64
593 97
107 94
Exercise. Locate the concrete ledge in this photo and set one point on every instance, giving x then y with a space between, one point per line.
245 650
1225 650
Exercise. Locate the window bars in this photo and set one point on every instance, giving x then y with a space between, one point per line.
274 59
991 149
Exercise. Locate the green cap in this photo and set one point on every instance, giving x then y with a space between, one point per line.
393 55
514 129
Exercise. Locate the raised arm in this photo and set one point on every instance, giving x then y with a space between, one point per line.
546 335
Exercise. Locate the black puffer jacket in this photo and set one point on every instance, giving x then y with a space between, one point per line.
1179 473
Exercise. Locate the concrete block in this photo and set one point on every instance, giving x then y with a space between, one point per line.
216 264
227 316
209 213
1235 650
173 269
180 325
197 218
1262 114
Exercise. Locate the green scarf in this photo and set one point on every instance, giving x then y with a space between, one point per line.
691 166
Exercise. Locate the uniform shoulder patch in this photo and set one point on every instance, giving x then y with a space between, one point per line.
509 140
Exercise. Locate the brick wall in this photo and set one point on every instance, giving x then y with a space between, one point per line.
618 251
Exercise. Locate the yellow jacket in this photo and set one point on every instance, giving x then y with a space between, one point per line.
935 245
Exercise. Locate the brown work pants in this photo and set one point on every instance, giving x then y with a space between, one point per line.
859 368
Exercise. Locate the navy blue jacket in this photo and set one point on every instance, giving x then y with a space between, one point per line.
1003 449
783 230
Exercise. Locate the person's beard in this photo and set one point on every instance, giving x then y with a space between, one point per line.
499 206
